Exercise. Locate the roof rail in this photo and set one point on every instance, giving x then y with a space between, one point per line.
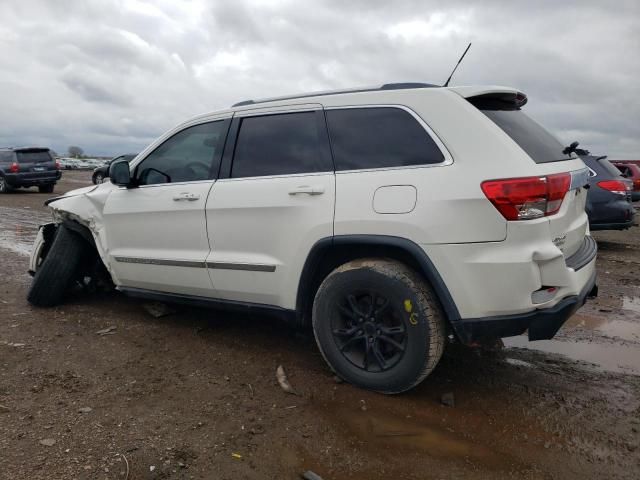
386 86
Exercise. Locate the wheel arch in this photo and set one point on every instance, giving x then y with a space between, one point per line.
331 252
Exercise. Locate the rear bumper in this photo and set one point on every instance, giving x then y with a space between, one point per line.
542 324
611 226
32 179
615 214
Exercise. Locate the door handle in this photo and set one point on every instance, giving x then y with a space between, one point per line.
309 190
189 197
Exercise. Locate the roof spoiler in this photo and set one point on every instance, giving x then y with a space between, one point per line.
506 99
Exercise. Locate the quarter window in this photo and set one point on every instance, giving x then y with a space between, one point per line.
364 138
190 155
282 144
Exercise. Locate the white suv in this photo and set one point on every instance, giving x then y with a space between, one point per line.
390 219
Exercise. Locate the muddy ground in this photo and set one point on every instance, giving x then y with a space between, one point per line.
194 394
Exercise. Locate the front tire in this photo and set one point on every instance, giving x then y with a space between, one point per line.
4 186
58 269
98 179
378 325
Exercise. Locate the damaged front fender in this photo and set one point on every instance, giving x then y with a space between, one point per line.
41 246
84 208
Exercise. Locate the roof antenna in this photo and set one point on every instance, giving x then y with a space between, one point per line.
446 84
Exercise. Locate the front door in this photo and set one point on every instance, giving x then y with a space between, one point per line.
276 202
156 233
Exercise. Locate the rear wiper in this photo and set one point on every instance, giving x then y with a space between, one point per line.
571 148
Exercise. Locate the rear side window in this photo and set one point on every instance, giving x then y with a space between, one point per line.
532 137
6 157
34 157
364 138
282 144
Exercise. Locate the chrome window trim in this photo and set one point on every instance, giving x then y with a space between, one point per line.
579 178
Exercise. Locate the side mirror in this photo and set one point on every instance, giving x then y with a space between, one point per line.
120 174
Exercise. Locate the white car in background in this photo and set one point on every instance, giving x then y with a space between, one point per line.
389 219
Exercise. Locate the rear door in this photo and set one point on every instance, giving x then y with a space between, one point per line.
275 202
568 227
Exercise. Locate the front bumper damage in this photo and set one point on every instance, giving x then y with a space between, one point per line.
41 246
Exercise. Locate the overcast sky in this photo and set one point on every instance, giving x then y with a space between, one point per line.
110 76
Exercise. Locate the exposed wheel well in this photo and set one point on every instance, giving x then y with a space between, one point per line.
92 263
330 253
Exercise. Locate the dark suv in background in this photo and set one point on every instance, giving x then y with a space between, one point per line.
609 197
28 167
100 173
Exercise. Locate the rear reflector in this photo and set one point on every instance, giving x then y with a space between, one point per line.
614 186
527 198
14 168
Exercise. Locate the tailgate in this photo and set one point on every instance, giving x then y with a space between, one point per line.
569 226
35 160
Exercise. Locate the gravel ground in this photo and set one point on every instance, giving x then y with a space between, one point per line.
193 394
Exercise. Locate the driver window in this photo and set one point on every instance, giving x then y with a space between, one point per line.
188 156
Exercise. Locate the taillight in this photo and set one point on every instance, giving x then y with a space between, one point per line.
614 186
636 184
529 197
14 168
58 166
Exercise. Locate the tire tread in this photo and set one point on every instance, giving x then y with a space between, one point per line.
425 296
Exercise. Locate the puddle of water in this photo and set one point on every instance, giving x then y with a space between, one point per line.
608 357
609 325
396 433
631 303
18 228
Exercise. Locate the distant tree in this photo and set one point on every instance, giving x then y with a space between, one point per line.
75 152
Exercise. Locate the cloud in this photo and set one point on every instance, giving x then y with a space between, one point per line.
112 75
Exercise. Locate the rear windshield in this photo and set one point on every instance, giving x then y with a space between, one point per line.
610 168
34 157
532 137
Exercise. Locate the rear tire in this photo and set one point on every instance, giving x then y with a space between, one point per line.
59 269
46 188
378 325
4 186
